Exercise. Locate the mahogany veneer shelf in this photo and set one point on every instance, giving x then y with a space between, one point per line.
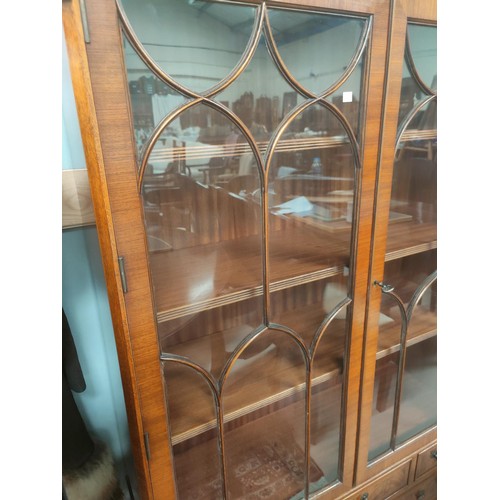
290 428
422 326
199 278
409 238
199 150
231 270
262 376
200 421
418 135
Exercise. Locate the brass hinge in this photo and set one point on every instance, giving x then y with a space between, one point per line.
146 445
123 276
85 23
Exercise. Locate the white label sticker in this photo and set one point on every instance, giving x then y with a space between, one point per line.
347 97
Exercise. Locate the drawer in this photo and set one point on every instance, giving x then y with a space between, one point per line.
421 490
385 486
426 460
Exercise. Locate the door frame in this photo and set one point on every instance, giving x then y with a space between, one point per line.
402 11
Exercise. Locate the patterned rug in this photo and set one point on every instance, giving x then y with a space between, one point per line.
259 466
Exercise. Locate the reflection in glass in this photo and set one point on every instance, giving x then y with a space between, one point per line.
414 179
411 94
151 99
191 169
301 38
423 57
202 185
196 463
388 351
348 96
196 43
261 96
419 398
303 308
406 274
203 219
311 195
326 400
423 47
265 449
209 337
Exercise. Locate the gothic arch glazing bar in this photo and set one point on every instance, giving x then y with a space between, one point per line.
406 314
274 51
410 117
297 111
413 68
207 377
163 76
177 113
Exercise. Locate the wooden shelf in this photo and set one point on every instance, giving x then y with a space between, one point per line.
194 279
190 150
272 379
190 280
418 405
286 427
422 326
409 238
418 135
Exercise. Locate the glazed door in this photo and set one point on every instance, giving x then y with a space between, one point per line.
239 143
399 391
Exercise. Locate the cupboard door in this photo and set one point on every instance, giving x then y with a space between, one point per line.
239 159
400 384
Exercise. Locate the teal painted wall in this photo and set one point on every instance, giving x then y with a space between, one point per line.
85 302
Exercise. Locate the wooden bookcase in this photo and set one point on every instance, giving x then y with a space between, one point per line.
254 329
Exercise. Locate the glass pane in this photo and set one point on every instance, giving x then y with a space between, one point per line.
311 194
196 43
301 38
150 99
209 337
303 308
264 420
411 94
347 99
203 230
406 274
410 259
386 370
423 47
261 96
413 215
326 401
202 199
193 432
419 396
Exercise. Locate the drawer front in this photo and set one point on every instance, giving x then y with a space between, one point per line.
426 461
422 490
386 486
